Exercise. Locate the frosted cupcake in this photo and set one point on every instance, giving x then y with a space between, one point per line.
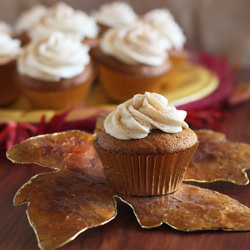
9 51
113 15
26 20
61 17
55 72
131 59
163 21
145 146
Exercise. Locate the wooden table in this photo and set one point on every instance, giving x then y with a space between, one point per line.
124 232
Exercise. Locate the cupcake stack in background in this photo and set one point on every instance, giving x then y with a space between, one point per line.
65 50
10 49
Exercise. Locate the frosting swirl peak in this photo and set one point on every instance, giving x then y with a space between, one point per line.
58 56
29 18
9 48
115 14
61 17
135 44
163 21
135 118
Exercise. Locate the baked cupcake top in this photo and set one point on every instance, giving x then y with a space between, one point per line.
135 44
5 28
115 14
145 124
29 18
137 117
163 21
61 17
9 48
53 58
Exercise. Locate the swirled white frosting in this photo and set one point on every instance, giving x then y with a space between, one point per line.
29 18
9 48
58 56
135 118
115 14
163 21
63 18
135 44
5 28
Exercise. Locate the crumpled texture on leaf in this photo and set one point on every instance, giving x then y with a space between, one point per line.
64 150
61 205
66 202
191 208
219 159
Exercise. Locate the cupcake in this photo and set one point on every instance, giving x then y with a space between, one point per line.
55 72
9 51
145 146
131 59
61 17
113 15
26 20
163 21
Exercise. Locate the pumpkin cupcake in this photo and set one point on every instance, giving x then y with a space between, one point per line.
63 18
55 72
163 21
26 20
145 146
9 51
131 59
114 15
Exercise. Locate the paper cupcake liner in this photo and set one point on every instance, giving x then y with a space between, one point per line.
57 99
120 86
145 175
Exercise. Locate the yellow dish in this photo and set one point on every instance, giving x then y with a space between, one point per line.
192 82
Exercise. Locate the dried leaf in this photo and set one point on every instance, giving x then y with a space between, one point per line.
61 205
240 94
65 150
64 203
218 159
190 209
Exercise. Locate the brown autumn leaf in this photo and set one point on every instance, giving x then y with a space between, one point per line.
76 196
64 150
63 204
240 94
218 159
191 208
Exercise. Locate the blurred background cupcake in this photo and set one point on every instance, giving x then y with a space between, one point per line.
61 17
55 72
27 19
163 21
9 52
113 15
131 59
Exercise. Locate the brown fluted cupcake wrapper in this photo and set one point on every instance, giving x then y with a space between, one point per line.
145 175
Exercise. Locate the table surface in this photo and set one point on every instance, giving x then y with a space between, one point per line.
124 232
